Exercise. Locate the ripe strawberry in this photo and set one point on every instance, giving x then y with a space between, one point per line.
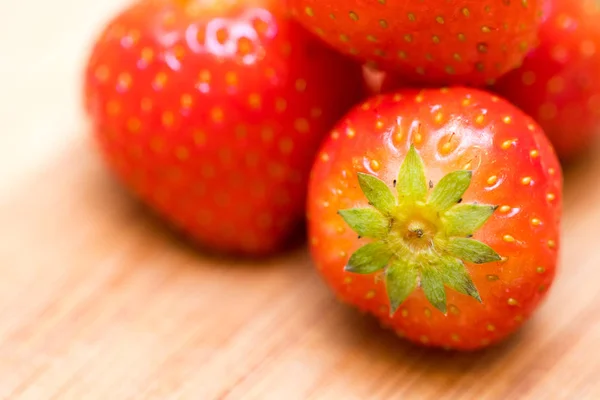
559 82
212 114
438 211
428 41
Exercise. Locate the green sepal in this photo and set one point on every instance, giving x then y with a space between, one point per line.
411 183
377 192
400 281
450 189
471 250
370 258
466 219
366 222
432 284
456 276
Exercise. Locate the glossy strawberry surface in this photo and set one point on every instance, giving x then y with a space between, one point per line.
428 41
211 112
514 170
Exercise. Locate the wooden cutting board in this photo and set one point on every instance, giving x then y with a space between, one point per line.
99 301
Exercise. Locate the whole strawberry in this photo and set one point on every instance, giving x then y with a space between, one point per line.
212 112
438 211
428 41
559 82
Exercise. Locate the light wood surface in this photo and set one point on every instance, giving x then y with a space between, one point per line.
99 301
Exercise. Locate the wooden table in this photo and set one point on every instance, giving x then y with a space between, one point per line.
99 301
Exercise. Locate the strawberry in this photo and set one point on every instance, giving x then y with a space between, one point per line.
438 212
212 113
559 82
428 41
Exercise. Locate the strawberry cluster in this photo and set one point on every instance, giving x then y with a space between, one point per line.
419 142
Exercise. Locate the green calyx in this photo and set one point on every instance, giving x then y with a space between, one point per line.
421 236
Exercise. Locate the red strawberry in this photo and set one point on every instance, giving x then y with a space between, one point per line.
431 41
559 82
212 114
438 211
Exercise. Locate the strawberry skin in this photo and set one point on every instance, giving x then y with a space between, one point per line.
430 41
212 113
559 82
461 256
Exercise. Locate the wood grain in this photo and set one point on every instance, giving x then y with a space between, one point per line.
98 300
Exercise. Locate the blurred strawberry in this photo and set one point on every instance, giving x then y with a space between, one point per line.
428 41
211 113
559 82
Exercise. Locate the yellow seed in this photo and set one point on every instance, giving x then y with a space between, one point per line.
490 327
134 125
492 180
404 312
526 180
216 114
301 125
427 313
455 337
507 119
353 16
300 85
383 23
535 222
375 165
446 147
508 238
551 244
146 104
309 11
113 108
551 171
314 240
540 270
419 98
186 101
504 209
550 196
204 76
168 118
454 310
507 143
408 37
439 117
480 119
371 38
350 132
439 20
411 17
485 29
254 100
347 280
231 78
492 278
435 39
466 101
370 294
325 157
466 12
534 153
418 138
379 124
280 105
424 339
182 153
512 302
